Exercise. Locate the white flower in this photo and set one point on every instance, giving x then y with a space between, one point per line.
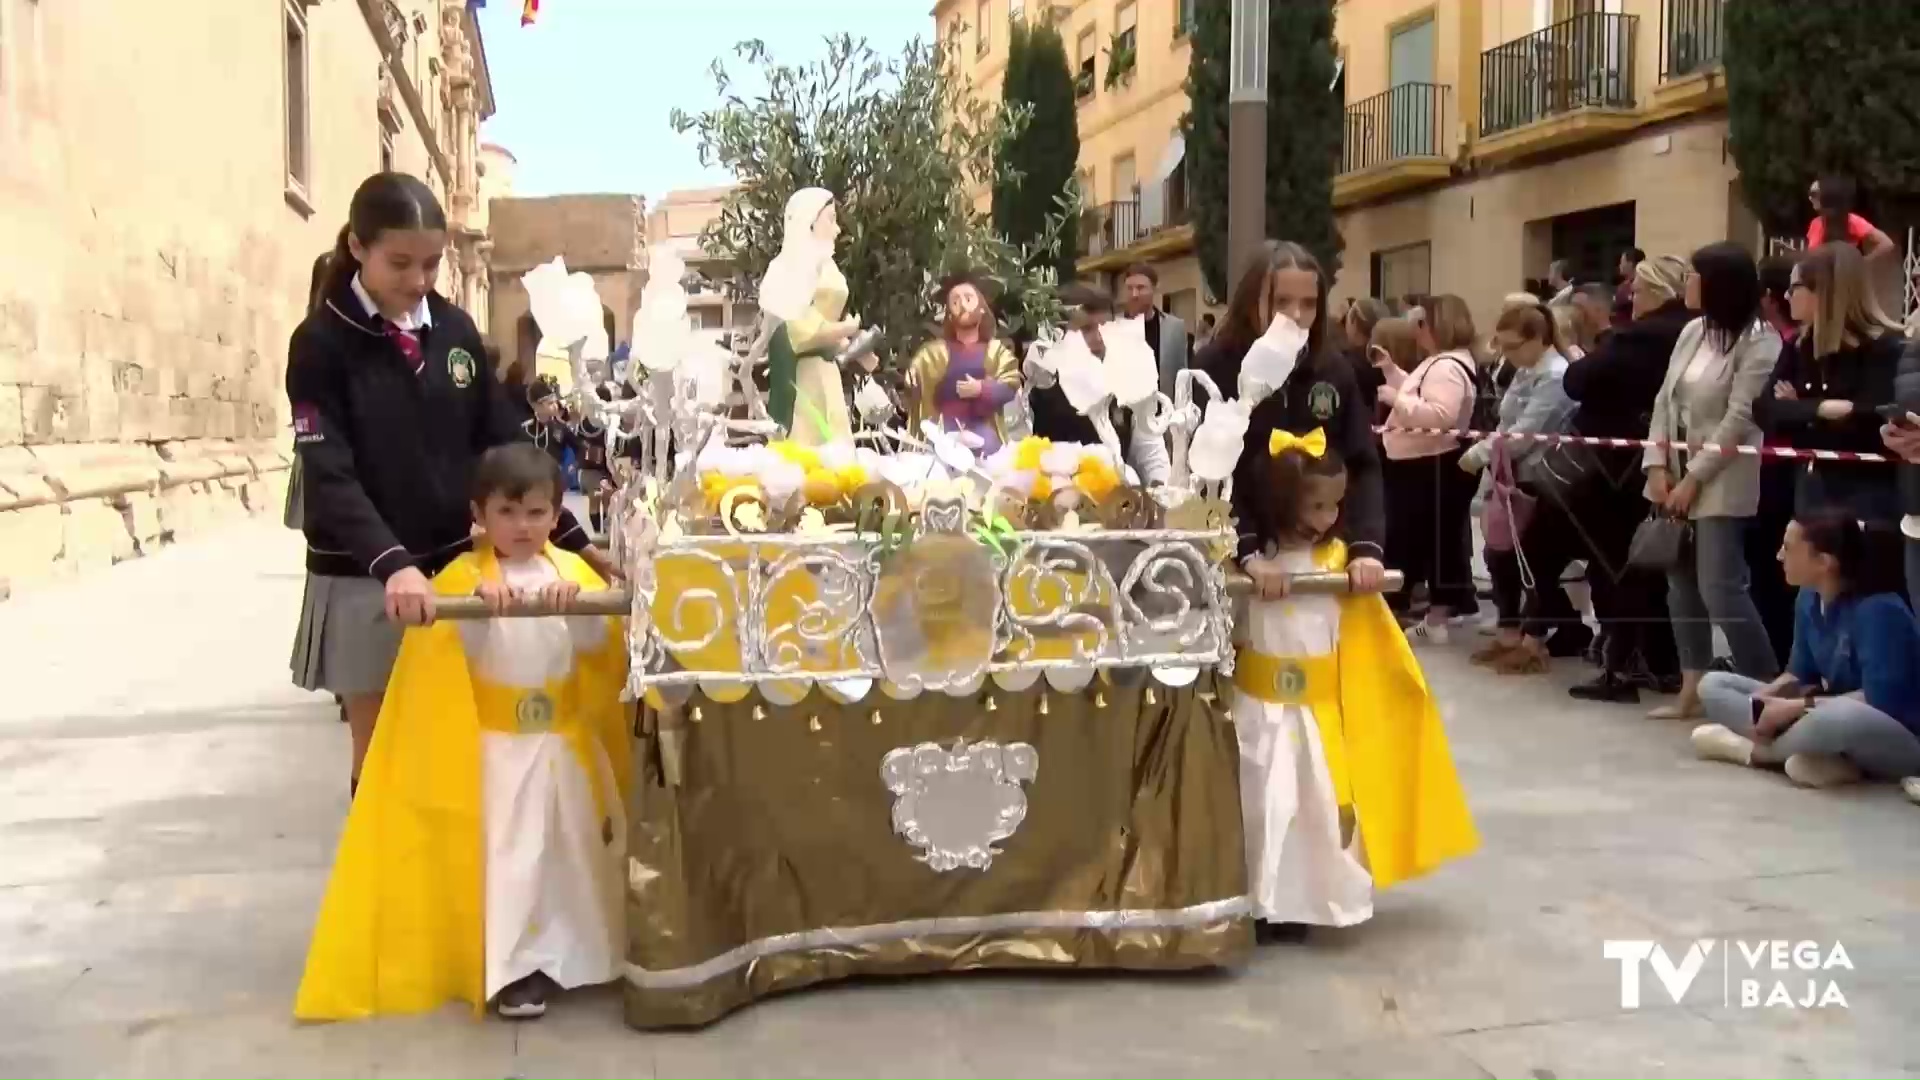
836 455
954 449
1019 482
781 479
1216 446
1062 459
907 469
1132 375
1272 358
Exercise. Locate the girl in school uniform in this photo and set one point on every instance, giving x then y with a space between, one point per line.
393 402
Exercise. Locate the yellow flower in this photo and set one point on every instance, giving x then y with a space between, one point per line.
1095 478
715 485
822 487
852 478
1043 486
804 456
1026 455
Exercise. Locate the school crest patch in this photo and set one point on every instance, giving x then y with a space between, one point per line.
306 424
1322 400
460 367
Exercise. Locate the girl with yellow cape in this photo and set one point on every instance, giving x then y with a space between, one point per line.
1346 782
484 851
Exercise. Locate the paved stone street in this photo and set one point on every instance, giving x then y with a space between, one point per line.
168 806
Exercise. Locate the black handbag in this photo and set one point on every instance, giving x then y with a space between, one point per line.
1660 543
1558 471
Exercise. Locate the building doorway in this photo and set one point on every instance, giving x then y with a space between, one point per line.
1591 241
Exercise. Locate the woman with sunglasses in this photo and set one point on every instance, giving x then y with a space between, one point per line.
1830 382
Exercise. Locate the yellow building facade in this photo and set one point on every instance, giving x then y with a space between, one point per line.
1483 138
169 172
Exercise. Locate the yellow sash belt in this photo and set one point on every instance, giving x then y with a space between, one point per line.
1309 681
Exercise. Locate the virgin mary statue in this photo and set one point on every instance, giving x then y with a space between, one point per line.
803 298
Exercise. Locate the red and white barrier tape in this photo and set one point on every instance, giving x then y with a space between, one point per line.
1787 452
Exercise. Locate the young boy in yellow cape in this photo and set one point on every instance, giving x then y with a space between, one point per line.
483 855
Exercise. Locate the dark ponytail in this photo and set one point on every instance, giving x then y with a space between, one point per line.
383 202
1868 555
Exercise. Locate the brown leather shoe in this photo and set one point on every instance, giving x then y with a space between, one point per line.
1529 658
1493 651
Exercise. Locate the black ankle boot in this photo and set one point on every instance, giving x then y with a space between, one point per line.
1609 688
1279 933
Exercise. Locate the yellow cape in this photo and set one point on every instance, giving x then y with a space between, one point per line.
1411 810
402 929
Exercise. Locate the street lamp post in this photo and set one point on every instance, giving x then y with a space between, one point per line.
1246 138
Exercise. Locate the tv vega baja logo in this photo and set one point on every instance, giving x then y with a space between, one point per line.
1766 974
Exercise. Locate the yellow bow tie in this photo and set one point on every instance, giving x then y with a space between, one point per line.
1313 443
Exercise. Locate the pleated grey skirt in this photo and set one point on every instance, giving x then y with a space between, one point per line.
344 645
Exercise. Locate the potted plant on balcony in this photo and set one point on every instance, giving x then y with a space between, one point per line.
1121 59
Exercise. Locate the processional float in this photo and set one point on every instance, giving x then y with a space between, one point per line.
903 708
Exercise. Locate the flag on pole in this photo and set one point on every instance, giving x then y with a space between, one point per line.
529 11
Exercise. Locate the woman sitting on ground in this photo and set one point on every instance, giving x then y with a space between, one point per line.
1849 702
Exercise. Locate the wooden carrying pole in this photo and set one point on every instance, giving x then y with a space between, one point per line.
617 601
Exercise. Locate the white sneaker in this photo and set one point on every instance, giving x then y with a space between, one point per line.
1821 770
1427 633
1911 785
1713 742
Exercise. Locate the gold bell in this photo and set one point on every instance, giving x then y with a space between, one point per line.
813 722
876 717
1099 700
1043 711
695 716
759 712
1149 697
992 705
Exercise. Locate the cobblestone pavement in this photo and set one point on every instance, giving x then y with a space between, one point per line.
168 806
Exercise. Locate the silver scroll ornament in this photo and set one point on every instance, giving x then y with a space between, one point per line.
954 805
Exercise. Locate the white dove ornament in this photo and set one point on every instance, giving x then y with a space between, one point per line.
1271 359
662 334
546 287
1080 373
1217 445
1132 374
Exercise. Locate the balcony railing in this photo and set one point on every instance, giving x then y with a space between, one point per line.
1408 121
1584 62
1110 227
1693 36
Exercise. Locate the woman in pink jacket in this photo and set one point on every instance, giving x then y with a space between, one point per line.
1429 538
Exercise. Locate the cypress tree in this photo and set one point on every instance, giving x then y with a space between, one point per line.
1825 87
1205 130
1041 160
1304 119
1303 131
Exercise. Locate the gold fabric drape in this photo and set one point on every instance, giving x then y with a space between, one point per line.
764 855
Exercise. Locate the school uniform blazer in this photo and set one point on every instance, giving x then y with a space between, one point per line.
1721 405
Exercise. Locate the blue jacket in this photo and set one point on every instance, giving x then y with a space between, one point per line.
1869 643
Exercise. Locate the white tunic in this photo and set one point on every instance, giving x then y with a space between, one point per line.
1298 870
554 898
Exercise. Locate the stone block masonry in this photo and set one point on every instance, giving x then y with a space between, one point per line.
140 406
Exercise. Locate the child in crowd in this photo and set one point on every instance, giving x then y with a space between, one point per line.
482 859
1346 780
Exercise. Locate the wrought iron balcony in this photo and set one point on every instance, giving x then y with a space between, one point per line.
1585 62
1693 37
1110 227
1408 121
